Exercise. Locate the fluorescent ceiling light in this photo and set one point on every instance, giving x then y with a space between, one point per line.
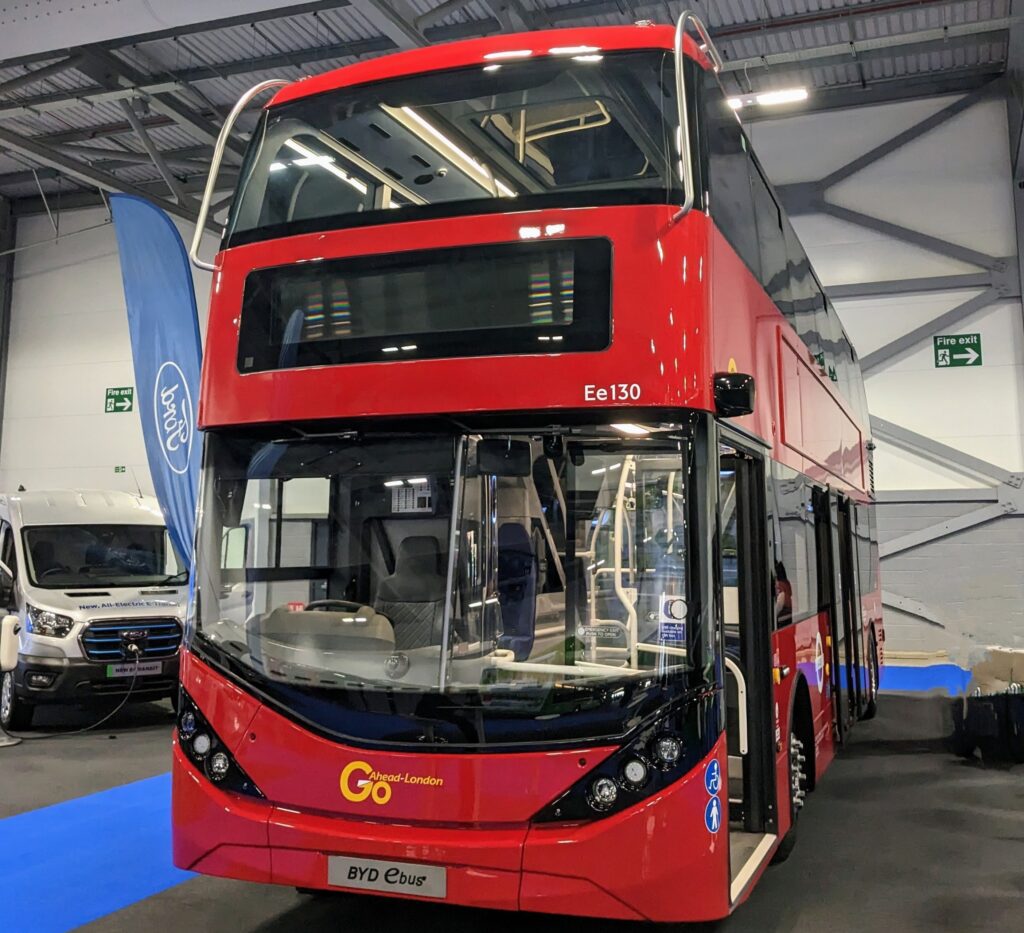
417 481
492 67
587 58
791 95
574 50
309 157
323 160
394 482
634 429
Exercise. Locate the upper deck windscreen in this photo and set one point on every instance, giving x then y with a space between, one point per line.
563 130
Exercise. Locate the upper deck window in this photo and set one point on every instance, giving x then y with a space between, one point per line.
557 131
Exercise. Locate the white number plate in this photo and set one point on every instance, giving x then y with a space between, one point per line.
391 877
143 669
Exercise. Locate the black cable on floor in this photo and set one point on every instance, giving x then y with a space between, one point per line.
117 709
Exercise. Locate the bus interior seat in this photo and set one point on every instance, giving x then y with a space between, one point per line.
517 589
412 597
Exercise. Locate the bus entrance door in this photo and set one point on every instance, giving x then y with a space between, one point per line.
746 632
835 569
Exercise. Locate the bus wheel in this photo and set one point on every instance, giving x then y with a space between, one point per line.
871 710
14 713
797 791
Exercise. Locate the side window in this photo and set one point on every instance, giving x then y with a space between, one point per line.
774 260
796 568
8 553
729 175
805 296
864 553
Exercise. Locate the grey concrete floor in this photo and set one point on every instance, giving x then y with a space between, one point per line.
900 837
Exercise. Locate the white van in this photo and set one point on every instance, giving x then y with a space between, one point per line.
100 594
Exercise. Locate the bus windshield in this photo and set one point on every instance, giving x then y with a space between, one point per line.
480 588
563 130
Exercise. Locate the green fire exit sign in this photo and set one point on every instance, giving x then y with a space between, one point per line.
119 399
957 350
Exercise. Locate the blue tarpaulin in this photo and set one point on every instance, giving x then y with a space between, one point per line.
167 353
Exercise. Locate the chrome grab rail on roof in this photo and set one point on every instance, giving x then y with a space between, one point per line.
218 155
688 17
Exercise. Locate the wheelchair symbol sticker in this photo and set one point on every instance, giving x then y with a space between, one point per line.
713 815
713 777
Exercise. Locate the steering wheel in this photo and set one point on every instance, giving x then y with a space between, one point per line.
333 605
50 570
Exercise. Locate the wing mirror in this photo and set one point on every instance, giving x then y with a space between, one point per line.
734 394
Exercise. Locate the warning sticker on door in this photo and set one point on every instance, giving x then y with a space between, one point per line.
672 618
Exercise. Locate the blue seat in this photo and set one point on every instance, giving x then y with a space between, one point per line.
517 589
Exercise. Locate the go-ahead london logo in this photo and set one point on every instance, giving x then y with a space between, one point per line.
173 412
361 781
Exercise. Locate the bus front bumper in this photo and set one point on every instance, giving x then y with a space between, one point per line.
656 861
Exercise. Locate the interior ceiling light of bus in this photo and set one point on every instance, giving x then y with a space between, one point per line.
311 158
433 137
791 95
635 430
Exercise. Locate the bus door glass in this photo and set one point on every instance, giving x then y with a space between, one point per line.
746 618
853 625
833 577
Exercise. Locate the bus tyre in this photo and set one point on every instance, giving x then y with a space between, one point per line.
871 710
15 714
797 792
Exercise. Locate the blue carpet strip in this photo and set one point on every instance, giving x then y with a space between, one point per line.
68 864
943 678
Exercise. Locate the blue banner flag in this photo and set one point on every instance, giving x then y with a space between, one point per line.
167 353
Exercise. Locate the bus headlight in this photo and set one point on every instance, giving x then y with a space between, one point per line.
659 754
667 749
45 622
603 793
204 749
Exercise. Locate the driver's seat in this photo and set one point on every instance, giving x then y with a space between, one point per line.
412 597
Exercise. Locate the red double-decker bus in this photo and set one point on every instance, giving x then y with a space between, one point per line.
535 555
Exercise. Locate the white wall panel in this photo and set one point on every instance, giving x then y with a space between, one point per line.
954 182
809 147
69 343
844 253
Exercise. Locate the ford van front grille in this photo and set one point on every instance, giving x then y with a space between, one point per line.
157 638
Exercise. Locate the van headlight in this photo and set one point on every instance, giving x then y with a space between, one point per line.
45 622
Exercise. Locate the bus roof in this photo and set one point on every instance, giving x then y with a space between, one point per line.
490 50
81 507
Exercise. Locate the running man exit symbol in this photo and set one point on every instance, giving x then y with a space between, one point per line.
119 399
957 350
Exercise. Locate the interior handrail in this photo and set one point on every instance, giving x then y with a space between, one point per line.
686 18
741 701
218 155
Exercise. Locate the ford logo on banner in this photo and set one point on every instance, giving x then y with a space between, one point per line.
172 408
166 354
